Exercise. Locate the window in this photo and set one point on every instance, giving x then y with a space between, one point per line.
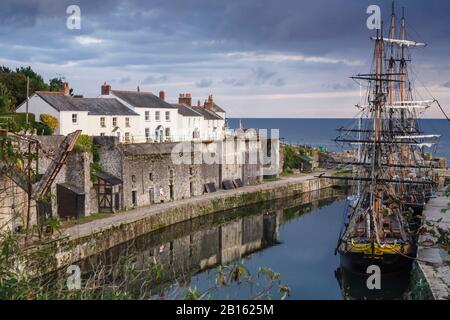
157 116
167 132
127 136
74 118
127 122
102 134
147 133
114 122
167 115
150 176
102 122
133 178
147 115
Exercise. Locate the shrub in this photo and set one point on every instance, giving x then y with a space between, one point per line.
84 144
50 121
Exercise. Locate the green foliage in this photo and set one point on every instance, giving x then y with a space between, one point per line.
447 191
50 121
16 121
6 99
290 159
84 144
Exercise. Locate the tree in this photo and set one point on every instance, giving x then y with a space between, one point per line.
6 100
55 84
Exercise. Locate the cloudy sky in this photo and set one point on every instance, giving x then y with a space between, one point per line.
259 58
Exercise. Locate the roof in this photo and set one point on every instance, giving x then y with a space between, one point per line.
72 188
187 111
108 177
208 115
142 99
94 106
216 108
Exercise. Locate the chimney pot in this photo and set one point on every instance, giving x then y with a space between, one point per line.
185 98
162 95
65 88
106 89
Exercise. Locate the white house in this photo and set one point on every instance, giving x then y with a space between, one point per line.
158 119
94 116
209 119
189 123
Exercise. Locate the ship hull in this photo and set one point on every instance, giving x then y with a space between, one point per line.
388 263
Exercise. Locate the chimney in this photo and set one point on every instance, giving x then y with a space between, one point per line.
185 98
106 89
65 88
162 95
208 103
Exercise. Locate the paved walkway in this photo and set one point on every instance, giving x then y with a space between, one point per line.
433 258
88 228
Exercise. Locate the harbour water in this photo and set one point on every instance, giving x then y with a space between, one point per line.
321 132
294 237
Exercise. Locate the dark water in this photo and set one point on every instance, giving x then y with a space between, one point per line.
294 237
320 132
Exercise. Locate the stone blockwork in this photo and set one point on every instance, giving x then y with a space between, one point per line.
162 172
81 241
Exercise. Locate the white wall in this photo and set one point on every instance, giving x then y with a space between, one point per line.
95 128
38 106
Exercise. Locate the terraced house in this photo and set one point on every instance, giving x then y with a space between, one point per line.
94 116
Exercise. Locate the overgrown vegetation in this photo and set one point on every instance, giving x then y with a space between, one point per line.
127 278
50 121
13 91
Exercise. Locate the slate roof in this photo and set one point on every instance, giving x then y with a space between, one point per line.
187 111
208 115
113 180
216 108
94 106
142 99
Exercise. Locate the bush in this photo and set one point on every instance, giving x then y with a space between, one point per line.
50 121
43 129
16 121
84 144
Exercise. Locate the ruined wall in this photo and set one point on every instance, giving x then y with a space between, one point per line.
13 205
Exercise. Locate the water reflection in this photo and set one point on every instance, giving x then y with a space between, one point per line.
294 236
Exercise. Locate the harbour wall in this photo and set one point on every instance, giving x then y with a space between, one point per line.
85 240
431 274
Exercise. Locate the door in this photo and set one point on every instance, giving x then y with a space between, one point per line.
134 198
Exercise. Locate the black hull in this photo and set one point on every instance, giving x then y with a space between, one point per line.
389 263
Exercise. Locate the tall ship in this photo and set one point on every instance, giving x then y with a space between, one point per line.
390 168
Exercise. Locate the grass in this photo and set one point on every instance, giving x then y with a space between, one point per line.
92 217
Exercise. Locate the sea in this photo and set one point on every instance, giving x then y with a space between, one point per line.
321 132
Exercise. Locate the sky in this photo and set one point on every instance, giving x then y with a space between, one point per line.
258 58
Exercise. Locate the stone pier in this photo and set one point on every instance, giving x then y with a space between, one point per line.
433 248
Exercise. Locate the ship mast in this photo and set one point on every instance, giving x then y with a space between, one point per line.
377 191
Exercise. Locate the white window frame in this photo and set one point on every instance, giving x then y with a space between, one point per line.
127 122
167 115
157 116
147 115
102 122
76 118
114 121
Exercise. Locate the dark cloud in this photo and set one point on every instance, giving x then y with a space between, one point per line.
204 83
154 80
446 85
234 82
